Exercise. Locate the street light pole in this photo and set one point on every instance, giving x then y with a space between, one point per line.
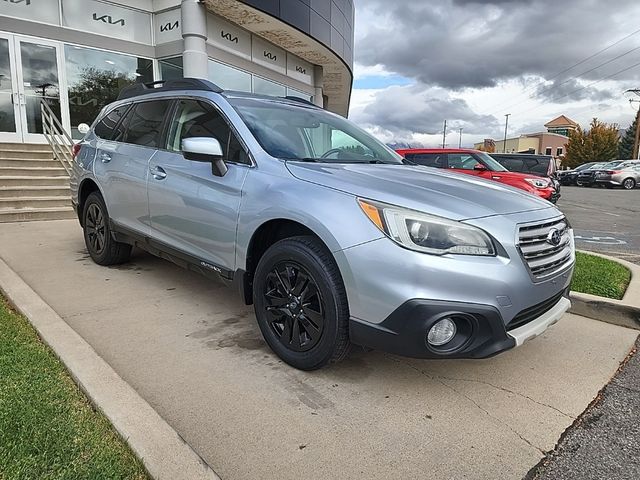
460 140
444 135
506 127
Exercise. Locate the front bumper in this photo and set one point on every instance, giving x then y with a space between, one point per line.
481 331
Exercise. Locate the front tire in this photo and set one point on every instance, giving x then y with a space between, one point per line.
301 304
103 249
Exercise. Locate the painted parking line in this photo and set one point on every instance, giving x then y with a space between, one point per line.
601 240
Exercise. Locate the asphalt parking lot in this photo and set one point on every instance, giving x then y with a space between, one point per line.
606 221
193 351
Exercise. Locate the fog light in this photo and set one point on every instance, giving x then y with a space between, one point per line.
442 332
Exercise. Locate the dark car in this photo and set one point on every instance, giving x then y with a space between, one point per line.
540 165
570 177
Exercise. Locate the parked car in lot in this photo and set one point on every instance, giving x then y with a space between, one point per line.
333 237
480 164
587 178
570 177
626 177
540 165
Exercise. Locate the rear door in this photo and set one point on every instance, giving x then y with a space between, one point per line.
122 163
435 160
193 211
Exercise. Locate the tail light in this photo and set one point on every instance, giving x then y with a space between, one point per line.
612 172
75 150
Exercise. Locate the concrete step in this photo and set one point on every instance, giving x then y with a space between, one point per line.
26 154
26 147
29 162
33 172
34 202
32 214
34 191
32 180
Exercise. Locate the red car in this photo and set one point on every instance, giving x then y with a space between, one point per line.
479 164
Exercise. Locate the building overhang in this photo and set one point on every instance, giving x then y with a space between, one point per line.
337 77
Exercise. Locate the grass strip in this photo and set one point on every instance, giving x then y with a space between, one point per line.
599 276
48 428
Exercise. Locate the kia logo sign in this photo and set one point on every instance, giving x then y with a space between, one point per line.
169 26
301 70
270 56
108 19
228 36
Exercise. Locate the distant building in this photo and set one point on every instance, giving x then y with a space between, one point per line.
561 125
552 142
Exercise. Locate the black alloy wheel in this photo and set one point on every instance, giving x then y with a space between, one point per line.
294 305
102 247
95 226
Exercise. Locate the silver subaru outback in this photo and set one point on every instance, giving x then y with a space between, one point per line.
334 238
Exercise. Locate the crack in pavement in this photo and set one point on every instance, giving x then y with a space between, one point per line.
439 379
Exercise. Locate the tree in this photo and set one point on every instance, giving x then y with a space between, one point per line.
599 144
625 147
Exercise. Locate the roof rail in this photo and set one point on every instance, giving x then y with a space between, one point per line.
168 85
301 100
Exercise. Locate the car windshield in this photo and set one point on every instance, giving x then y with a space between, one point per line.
490 162
304 133
612 164
584 166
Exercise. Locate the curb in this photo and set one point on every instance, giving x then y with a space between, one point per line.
625 312
165 455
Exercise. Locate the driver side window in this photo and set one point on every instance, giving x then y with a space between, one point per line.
193 118
462 161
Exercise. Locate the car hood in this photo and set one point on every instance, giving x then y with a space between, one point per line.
430 190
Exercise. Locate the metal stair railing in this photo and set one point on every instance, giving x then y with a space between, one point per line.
57 137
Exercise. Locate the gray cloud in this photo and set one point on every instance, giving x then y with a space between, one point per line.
571 90
469 43
416 109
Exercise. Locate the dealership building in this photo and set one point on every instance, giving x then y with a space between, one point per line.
77 54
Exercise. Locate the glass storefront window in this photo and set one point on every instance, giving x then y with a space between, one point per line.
229 78
7 117
171 68
291 92
263 86
95 78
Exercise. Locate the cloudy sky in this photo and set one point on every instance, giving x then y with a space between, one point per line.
419 62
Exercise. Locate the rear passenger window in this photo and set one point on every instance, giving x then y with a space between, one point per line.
105 127
512 164
436 160
144 123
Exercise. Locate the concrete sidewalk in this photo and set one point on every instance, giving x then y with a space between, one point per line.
193 351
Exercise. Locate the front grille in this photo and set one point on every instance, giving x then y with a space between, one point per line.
529 314
541 256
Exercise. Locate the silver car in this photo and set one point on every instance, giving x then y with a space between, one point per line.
333 237
624 174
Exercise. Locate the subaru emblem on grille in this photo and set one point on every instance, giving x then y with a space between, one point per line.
554 237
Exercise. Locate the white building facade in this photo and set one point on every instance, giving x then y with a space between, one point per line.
77 54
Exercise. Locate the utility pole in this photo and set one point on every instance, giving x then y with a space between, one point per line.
460 140
444 135
636 143
506 127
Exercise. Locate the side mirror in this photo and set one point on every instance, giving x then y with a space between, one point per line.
205 149
480 167
83 128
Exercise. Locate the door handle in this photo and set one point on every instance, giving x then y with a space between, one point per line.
158 173
105 157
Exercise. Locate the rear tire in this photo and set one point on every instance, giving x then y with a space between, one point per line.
301 304
628 184
103 249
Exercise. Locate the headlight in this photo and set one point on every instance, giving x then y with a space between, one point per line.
538 182
427 233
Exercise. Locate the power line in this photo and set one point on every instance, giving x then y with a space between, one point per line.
584 60
586 86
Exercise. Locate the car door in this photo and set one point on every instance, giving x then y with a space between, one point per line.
121 164
194 212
